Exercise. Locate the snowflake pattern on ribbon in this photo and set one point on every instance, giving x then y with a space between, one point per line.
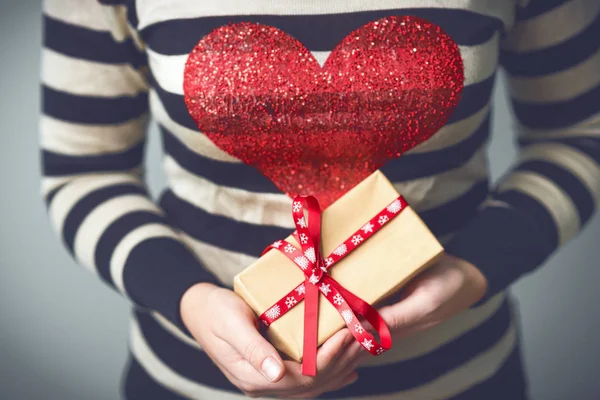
356 239
383 219
290 302
368 227
297 206
302 262
338 299
301 222
325 289
277 244
273 312
289 248
367 344
303 238
348 316
358 328
310 254
301 289
395 207
341 250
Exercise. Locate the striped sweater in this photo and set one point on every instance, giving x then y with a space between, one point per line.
109 65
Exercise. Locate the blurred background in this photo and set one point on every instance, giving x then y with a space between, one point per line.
63 334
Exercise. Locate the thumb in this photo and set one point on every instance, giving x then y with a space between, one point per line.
254 348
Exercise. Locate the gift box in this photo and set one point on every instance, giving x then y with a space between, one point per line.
373 271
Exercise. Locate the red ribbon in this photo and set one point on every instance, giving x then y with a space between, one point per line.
308 259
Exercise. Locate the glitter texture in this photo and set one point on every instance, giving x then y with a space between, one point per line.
262 97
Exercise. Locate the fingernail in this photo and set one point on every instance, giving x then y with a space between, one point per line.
271 368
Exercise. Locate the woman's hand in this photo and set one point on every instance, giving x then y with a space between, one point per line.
439 293
450 286
227 330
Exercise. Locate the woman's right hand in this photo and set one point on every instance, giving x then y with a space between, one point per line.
227 329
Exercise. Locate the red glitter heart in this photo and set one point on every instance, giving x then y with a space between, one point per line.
262 97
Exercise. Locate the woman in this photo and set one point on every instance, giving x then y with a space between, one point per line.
191 337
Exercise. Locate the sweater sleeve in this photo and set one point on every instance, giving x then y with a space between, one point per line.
93 124
551 58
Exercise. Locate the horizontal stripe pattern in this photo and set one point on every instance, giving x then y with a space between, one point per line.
558 57
251 239
411 347
68 138
479 60
92 110
552 60
89 78
192 368
91 45
474 97
94 101
109 21
409 166
326 30
274 209
106 64
548 28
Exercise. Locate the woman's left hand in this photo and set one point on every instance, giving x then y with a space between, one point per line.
450 286
437 294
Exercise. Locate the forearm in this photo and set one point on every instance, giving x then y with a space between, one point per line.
553 189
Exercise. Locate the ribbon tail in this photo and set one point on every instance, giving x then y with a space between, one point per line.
311 325
369 312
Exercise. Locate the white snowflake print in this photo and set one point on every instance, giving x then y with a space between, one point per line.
328 261
380 350
325 288
358 328
348 316
338 299
289 248
356 239
395 207
341 250
310 254
273 312
301 289
302 262
277 244
301 222
383 219
290 301
367 343
303 238
265 322
368 227
313 279
297 206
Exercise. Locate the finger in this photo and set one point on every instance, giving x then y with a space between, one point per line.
333 349
292 383
244 337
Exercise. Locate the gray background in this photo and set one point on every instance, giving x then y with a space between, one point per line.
63 333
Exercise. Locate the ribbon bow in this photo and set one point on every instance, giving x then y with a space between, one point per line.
308 258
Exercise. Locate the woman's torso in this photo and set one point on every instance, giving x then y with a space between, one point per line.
227 211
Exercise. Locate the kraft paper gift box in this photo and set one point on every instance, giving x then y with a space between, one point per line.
373 271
